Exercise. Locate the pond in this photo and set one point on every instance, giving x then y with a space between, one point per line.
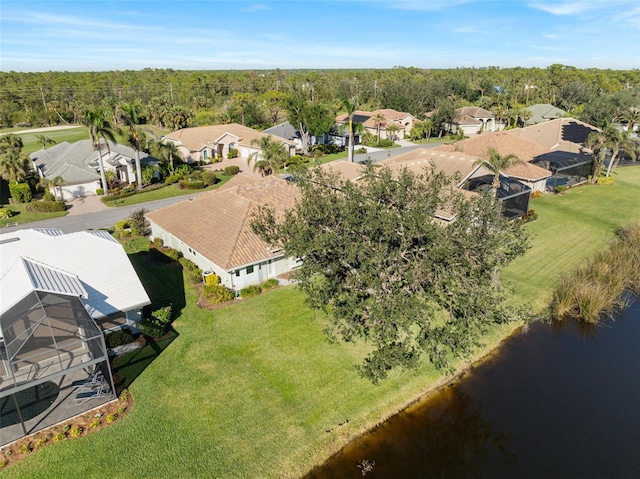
558 401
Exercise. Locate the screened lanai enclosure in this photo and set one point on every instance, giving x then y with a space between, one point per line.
513 195
569 169
53 366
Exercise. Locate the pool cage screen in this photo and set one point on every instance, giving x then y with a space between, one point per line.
53 364
513 195
569 169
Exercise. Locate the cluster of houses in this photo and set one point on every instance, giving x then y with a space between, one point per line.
61 292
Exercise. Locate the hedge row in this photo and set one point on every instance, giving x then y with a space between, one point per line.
46 206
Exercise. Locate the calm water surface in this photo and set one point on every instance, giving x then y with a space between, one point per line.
558 402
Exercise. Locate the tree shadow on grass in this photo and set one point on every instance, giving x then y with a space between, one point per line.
129 366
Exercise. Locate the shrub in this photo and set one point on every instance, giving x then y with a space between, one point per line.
123 225
536 194
48 196
250 291
139 224
75 431
212 279
61 436
162 316
20 192
148 328
39 443
46 206
606 180
191 184
111 417
99 191
6 212
217 293
25 448
158 242
233 153
270 284
165 255
385 143
118 338
560 189
95 423
530 216
124 395
116 197
360 151
121 410
194 276
209 178
171 179
231 170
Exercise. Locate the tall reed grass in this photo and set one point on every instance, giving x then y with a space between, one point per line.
595 289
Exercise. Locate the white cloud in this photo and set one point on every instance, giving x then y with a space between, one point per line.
256 7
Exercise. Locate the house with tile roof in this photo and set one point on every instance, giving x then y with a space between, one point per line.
404 121
56 301
542 112
473 120
214 230
78 166
204 144
530 174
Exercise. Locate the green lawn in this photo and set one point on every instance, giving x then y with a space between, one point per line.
162 193
71 135
24 216
570 228
255 389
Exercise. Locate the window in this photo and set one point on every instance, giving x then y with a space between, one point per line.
249 269
237 273
192 252
205 154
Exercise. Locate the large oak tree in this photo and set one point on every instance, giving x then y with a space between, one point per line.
386 270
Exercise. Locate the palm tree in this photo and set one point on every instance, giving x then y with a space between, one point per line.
631 116
45 140
271 157
350 105
128 115
392 129
617 140
100 128
379 120
596 142
168 152
14 165
497 163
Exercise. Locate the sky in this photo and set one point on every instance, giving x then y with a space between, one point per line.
90 35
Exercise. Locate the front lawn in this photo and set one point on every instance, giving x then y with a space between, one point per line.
21 215
255 390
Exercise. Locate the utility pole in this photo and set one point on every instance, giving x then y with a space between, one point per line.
43 101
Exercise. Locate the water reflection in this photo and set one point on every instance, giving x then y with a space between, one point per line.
444 437
561 401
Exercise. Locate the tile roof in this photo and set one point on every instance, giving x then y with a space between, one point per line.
505 144
544 111
366 117
78 162
566 134
283 130
475 112
217 224
346 169
197 137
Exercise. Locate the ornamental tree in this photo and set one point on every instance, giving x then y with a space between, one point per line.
387 271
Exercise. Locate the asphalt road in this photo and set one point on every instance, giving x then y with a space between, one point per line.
105 219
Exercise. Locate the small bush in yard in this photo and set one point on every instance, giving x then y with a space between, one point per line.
25 448
606 180
118 338
191 184
75 431
162 316
111 417
231 170
269 284
61 436
250 291
46 206
95 424
217 293
20 192
212 279
5 212
48 196
209 178
148 328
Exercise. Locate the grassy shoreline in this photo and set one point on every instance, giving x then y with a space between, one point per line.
255 390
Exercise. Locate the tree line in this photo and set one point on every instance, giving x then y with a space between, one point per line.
173 99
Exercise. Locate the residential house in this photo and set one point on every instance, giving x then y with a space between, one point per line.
404 121
532 175
542 112
78 166
214 230
59 294
473 120
208 143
